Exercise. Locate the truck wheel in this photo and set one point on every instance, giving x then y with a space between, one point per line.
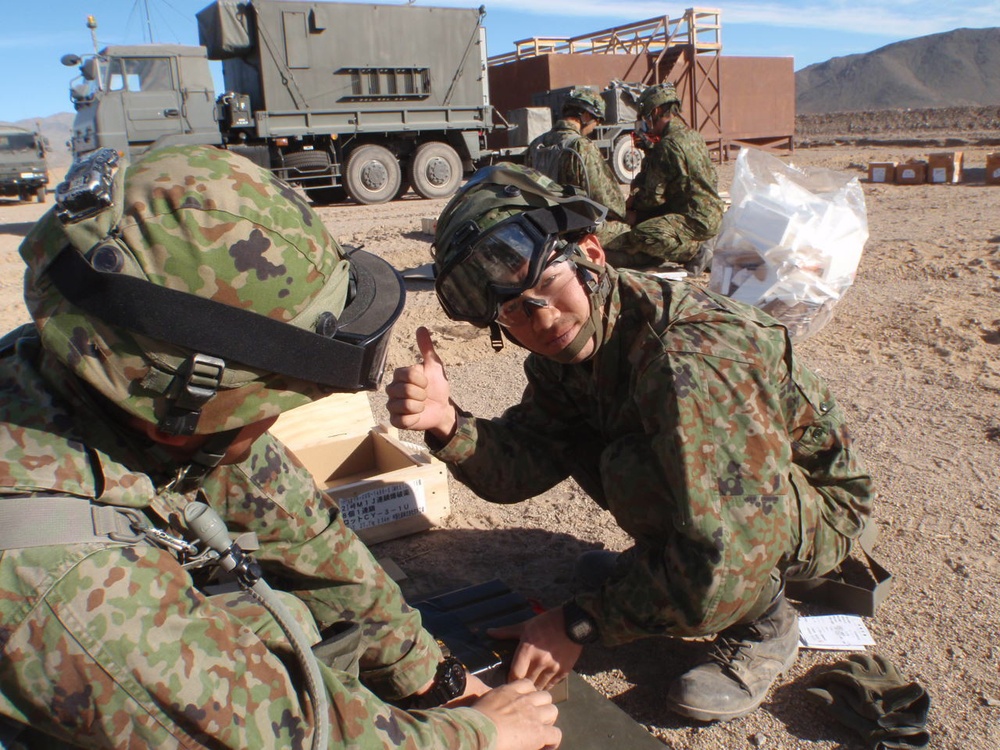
372 175
435 170
626 159
40 195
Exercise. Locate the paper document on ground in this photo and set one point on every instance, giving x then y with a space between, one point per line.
834 633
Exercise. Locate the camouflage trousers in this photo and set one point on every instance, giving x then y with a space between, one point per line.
653 242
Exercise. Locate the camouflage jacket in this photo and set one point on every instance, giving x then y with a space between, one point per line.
708 441
580 164
112 645
678 177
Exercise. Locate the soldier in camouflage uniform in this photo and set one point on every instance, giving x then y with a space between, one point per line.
682 412
674 205
171 327
568 155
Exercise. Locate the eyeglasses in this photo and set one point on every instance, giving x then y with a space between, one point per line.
556 274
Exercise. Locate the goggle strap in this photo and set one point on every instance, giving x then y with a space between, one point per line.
203 325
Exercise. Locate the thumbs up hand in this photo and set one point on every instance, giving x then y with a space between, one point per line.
419 395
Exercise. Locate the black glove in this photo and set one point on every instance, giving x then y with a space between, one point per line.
871 696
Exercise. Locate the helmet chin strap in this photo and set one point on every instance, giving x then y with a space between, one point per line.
189 477
596 281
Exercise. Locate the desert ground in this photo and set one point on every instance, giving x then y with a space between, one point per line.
913 355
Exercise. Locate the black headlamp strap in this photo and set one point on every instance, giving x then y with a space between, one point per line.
203 325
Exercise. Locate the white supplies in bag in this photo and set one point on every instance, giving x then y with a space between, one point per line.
791 241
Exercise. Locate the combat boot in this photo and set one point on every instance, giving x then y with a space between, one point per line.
702 259
743 664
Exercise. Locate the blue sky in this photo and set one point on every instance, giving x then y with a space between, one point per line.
33 38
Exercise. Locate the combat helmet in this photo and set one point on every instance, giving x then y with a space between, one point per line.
584 99
657 95
499 232
200 293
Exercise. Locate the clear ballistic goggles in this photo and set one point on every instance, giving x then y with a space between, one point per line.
500 264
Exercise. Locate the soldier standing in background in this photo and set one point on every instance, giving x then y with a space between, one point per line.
177 309
683 413
569 156
674 205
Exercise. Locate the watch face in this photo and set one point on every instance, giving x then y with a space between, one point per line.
451 678
580 627
581 631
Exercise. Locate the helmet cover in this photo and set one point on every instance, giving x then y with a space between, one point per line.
584 99
657 95
204 222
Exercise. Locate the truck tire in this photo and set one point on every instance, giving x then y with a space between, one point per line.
626 159
372 174
435 170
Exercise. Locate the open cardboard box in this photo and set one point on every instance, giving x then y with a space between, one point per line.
385 488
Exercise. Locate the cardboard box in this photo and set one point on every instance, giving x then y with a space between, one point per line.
882 171
385 488
945 167
993 168
911 173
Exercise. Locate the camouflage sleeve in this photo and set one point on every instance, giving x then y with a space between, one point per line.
705 491
309 550
658 169
604 188
521 454
135 656
678 178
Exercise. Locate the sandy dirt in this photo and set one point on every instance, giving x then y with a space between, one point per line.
913 355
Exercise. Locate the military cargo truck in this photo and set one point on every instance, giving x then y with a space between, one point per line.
23 173
334 97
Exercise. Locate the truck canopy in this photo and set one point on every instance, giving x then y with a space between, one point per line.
330 56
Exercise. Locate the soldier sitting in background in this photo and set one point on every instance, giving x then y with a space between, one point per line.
179 308
674 205
569 156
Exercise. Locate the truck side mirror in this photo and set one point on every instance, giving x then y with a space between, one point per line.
70 61
89 69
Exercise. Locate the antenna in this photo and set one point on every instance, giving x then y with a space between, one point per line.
149 25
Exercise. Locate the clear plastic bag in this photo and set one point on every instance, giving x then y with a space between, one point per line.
791 240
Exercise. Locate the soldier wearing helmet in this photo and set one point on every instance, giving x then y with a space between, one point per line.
569 156
179 306
683 413
674 205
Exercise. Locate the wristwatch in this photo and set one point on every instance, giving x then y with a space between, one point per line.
580 626
449 683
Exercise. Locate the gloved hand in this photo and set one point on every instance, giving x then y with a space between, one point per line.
872 697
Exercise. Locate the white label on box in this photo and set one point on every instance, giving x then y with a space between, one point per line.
909 174
390 502
878 174
939 174
996 174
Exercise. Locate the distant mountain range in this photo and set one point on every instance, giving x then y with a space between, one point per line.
958 68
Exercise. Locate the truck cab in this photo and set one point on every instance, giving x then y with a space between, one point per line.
131 98
23 172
